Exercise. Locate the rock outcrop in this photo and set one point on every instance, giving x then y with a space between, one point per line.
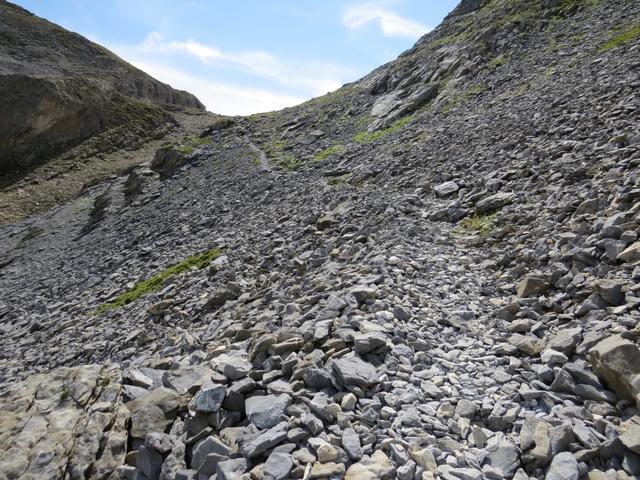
58 89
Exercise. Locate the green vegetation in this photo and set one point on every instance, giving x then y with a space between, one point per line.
277 151
462 97
221 123
330 97
568 6
65 394
189 144
200 260
126 111
327 152
480 224
627 36
289 162
369 137
495 62
340 180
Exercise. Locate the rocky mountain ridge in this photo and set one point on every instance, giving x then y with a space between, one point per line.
431 273
58 89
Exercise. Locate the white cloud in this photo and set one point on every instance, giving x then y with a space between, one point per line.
391 24
317 78
219 97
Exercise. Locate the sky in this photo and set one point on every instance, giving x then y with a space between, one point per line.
247 56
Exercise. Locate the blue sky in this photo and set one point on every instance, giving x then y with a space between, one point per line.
248 56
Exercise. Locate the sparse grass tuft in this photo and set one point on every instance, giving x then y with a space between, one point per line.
340 180
152 284
65 394
471 91
367 137
630 35
480 224
328 152
496 62
189 144
276 150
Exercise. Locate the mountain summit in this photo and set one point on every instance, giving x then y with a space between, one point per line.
430 273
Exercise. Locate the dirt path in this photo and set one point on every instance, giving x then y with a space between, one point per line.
265 164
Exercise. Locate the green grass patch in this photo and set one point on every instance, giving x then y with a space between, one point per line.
276 151
496 62
189 144
369 137
340 180
465 95
630 35
289 162
480 224
65 394
328 152
199 260
221 123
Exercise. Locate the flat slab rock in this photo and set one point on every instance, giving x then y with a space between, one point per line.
353 371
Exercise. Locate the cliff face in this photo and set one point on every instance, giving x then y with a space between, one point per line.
58 89
431 273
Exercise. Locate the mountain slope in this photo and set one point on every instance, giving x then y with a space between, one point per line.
57 89
429 273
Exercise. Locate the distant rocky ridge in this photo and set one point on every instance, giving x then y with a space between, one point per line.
57 89
429 274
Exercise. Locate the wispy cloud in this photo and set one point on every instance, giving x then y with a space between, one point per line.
223 98
390 23
317 78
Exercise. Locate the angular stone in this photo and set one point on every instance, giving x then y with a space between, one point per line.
565 341
630 254
466 408
149 462
278 466
494 202
553 357
423 457
526 343
154 412
504 460
205 447
611 292
209 399
564 466
327 470
617 362
317 378
377 466
630 437
367 342
445 189
231 469
266 440
326 453
351 443
530 286
349 402
266 411
353 371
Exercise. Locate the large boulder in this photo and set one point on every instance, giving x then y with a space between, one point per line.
617 362
154 412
